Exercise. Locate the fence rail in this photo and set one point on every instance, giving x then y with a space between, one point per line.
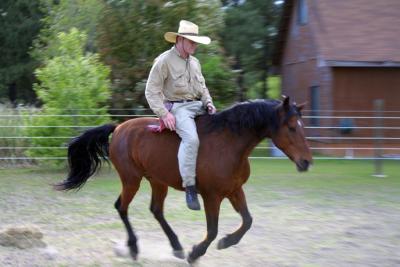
322 144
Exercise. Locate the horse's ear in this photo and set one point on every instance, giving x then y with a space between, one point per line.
286 102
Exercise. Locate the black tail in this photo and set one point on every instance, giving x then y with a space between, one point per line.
84 156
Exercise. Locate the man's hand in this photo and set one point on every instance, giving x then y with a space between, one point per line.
169 121
211 108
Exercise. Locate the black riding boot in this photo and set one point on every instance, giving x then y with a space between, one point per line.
191 198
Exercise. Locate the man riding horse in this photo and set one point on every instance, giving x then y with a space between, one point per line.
177 93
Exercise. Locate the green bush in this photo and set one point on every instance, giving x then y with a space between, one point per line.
72 87
218 75
274 88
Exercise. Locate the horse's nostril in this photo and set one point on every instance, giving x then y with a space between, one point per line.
306 163
303 165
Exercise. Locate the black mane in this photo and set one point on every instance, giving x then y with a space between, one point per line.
256 115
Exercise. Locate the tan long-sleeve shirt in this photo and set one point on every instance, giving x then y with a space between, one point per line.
173 78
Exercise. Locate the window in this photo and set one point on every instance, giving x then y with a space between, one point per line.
314 105
302 14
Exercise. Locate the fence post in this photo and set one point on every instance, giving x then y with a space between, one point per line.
378 162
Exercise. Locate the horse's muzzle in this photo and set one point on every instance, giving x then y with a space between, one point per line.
302 165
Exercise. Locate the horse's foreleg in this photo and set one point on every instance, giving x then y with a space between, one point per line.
122 204
238 201
211 205
159 192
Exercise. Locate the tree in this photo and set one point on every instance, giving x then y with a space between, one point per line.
130 37
248 39
61 16
72 84
19 25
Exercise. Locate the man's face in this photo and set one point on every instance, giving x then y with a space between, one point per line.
189 46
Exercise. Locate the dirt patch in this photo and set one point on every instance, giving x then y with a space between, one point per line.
22 237
291 228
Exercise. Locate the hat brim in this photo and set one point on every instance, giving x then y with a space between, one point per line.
171 37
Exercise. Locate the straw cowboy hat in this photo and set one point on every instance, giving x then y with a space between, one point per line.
188 30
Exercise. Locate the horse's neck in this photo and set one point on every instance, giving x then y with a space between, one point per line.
250 143
243 144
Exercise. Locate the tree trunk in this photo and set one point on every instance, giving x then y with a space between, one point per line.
12 94
241 92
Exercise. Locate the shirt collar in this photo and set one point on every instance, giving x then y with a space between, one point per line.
178 54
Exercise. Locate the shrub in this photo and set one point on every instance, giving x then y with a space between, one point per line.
72 87
274 89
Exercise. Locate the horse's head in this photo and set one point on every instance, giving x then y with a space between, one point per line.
290 136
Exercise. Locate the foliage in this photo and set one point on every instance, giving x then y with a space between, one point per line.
61 16
218 77
71 84
130 37
248 38
274 89
19 24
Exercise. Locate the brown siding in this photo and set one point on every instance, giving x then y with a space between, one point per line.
356 89
299 61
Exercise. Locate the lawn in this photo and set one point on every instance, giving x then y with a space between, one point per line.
269 181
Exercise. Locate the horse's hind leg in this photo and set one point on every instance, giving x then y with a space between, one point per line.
159 192
238 201
129 188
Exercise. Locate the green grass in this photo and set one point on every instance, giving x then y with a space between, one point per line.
270 180
324 174
329 182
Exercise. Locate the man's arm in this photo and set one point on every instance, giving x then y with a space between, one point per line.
206 97
154 94
154 88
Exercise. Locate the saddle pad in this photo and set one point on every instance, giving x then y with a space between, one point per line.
157 128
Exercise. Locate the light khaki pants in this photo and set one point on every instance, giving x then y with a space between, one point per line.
186 129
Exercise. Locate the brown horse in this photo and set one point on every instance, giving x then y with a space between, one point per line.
226 141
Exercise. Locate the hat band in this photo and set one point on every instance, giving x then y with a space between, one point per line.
188 33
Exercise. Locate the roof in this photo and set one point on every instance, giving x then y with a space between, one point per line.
356 30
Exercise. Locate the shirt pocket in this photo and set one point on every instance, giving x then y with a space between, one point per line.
179 83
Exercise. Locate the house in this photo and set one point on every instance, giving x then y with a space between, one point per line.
340 56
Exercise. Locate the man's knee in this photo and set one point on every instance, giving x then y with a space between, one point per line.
192 141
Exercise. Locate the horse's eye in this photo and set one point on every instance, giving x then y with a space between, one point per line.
292 129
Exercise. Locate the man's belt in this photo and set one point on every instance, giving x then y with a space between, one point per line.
183 101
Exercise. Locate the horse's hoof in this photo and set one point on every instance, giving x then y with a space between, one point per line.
190 260
121 250
180 254
134 255
221 244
